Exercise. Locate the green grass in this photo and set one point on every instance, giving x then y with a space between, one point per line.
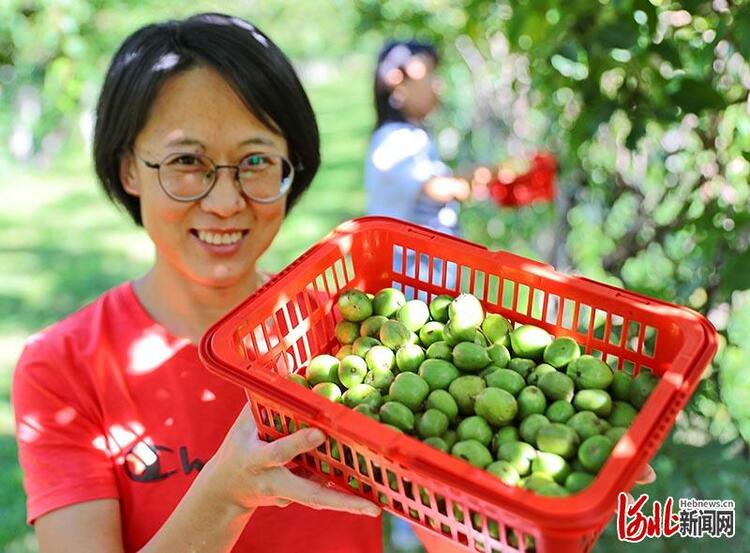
62 244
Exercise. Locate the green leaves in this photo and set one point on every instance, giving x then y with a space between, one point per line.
696 96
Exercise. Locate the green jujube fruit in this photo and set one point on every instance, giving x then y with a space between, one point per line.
556 386
643 385
529 342
561 351
439 308
497 329
499 355
470 357
588 372
587 424
551 464
442 401
388 301
597 401
454 334
371 326
380 358
440 350
474 428
507 380
538 372
322 368
362 394
398 415
621 385
521 366
504 471
557 438
464 390
354 305
328 390
577 481
430 333
363 344
496 406
594 452
380 379
438 373
472 451
346 332
466 310
352 370
414 314
518 454
622 414
506 434
409 358
394 334
560 411
432 424
530 427
438 443
531 400
409 389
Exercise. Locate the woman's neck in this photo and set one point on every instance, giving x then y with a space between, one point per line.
187 309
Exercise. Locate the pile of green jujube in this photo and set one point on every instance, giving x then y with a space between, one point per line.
525 406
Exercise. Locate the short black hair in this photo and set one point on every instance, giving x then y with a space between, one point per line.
257 70
394 55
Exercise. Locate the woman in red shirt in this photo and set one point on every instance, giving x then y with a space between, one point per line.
205 136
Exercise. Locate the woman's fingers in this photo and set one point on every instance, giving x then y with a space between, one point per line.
316 496
283 450
647 476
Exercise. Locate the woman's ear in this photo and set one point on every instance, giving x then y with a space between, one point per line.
127 174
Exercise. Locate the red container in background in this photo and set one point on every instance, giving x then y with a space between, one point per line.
291 319
536 185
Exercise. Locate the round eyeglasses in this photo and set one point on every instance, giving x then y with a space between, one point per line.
187 177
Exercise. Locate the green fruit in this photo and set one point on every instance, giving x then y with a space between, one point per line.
442 401
622 414
409 389
366 410
560 411
346 332
615 433
496 406
464 390
622 383
438 443
352 370
392 427
439 308
380 379
472 451
557 385
643 385
409 358
388 301
362 394
394 334
529 341
298 379
479 338
499 355
354 305
344 351
521 366
507 380
371 326
450 437
518 454
323 368
537 481
538 372
552 490
587 424
594 452
497 329
504 471
440 350
431 332
506 434
531 400
363 344
551 464
474 428
453 333
380 358
328 390
438 373
470 357
577 481
561 351
432 424
557 438
414 314
590 373
597 401
530 427
466 310
398 415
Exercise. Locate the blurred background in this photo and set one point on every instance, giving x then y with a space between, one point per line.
644 103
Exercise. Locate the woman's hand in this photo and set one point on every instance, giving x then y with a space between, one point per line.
249 473
648 476
446 189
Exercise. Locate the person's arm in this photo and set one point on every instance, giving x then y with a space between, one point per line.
446 189
245 473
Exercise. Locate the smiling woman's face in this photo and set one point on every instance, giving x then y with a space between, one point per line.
196 111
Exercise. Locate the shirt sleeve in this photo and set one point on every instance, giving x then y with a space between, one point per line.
405 161
61 449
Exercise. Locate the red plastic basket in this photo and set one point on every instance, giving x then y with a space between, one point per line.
291 319
536 185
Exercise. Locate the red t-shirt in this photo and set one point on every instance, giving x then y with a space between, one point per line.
109 405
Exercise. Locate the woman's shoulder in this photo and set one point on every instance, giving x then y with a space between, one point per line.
399 139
